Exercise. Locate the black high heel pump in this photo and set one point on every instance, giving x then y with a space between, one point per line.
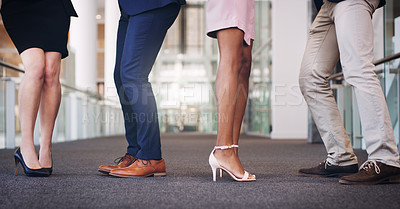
50 170
29 172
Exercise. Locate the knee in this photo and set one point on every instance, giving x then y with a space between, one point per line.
118 81
305 80
52 72
230 64
36 72
117 77
122 77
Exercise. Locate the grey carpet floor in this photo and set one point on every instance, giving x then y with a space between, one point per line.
76 183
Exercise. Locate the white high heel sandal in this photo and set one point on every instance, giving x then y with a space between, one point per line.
215 165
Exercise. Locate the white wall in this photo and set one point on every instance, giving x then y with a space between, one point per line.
290 22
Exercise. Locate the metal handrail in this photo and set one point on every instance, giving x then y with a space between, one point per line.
12 67
377 62
91 94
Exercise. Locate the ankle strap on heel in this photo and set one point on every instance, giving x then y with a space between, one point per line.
223 147
227 146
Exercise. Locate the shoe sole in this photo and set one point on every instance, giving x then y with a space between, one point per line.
37 175
391 179
148 175
234 177
335 175
103 171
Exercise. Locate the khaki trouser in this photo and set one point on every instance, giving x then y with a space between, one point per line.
345 30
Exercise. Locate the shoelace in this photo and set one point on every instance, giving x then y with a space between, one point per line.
147 162
369 164
126 156
327 163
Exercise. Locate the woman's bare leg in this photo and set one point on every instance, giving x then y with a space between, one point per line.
242 92
49 105
230 44
29 98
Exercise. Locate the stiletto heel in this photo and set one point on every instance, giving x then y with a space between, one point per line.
214 171
29 172
16 165
216 165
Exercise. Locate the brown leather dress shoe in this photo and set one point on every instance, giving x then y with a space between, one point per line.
373 172
141 168
120 162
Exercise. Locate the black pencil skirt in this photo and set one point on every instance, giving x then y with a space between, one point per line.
37 24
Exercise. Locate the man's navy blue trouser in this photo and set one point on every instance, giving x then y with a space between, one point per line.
139 40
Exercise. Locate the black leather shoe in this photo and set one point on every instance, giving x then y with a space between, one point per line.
29 172
325 169
373 172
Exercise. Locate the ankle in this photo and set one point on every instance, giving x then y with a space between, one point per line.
224 152
236 151
45 150
44 155
27 149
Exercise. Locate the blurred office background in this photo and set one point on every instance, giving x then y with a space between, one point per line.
184 74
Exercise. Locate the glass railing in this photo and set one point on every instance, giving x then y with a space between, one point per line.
82 114
391 76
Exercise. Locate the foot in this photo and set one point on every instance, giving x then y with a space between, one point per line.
30 158
373 172
141 168
325 169
45 158
121 162
229 159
